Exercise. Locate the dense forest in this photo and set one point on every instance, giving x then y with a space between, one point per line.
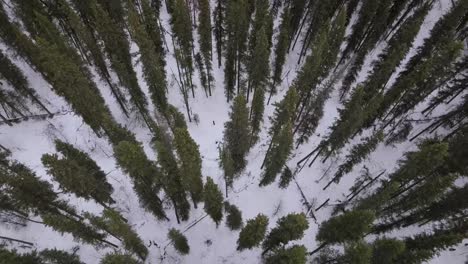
233 131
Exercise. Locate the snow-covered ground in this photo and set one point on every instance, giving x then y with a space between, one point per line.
208 244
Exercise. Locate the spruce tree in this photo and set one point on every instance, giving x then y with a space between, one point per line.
237 26
112 222
237 133
219 17
233 216
145 175
281 134
13 75
173 182
358 253
179 241
356 155
153 71
117 258
296 254
213 198
56 256
33 195
227 164
288 228
348 227
108 21
76 172
281 50
190 164
286 177
325 49
258 74
204 32
252 233
387 251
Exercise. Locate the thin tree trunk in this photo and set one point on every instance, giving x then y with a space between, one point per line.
322 205
17 240
365 186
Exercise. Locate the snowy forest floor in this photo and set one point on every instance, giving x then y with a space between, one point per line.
29 140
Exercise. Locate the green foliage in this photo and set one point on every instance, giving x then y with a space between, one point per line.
190 163
179 241
286 177
253 232
233 216
358 153
278 154
113 223
386 251
281 137
204 30
213 198
237 133
288 228
358 253
8 257
173 183
348 227
118 259
153 70
144 173
55 256
78 229
76 172
292 255
281 49
236 28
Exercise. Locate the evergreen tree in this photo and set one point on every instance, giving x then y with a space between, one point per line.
108 22
219 15
292 255
150 16
281 50
204 30
286 177
213 199
172 181
46 256
190 163
56 256
30 194
356 155
431 61
146 177
84 39
258 74
179 241
358 253
182 29
233 216
424 246
117 259
253 233
288 228
387 250
11 73
112 222
237 133
281 137
348 227
325 49
153 71
237 26
227 164
76 172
